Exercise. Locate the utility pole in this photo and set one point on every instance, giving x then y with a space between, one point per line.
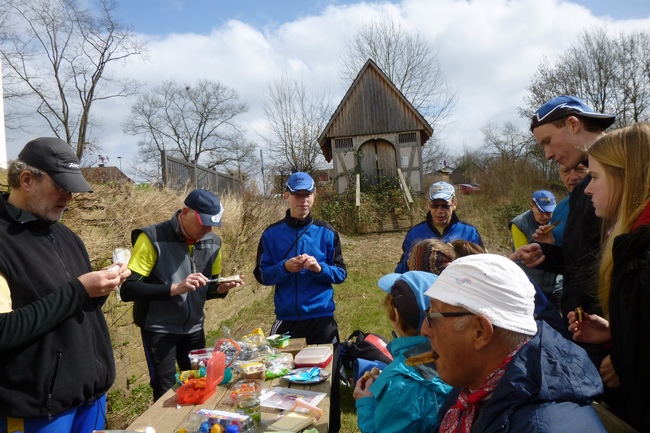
120 158
263 179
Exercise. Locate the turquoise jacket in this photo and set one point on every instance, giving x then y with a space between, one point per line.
405 399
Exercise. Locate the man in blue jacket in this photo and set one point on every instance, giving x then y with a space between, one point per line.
509 372
301 256
441 223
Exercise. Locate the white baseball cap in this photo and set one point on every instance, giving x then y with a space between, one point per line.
489 285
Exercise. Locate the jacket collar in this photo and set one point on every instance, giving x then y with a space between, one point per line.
21 216
295 222
454 220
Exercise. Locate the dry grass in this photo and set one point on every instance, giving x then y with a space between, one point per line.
105 219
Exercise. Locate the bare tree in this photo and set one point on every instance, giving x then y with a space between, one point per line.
294 122
194 122
610 73
515 146
58 57
407 60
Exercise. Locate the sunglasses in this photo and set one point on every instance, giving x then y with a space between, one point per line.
436 206
429 315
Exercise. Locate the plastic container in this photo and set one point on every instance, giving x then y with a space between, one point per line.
245 385
318 356
279 341
248 403
197 391
200 357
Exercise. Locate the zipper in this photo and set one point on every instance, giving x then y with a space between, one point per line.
50 389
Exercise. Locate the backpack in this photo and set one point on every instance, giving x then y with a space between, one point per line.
360 345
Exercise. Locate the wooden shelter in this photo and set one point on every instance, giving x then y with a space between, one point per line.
376 129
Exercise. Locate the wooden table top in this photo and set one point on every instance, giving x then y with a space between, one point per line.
166 415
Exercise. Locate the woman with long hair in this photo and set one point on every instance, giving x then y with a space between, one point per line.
619 164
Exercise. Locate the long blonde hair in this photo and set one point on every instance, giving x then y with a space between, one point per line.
625 156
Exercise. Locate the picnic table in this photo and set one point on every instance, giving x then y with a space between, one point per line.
166 415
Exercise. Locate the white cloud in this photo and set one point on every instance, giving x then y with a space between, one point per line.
489 50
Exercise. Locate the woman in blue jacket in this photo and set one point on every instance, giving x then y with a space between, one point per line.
402 398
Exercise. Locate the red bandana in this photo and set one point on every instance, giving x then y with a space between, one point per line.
468 401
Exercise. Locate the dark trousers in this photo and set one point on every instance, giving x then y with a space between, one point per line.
163 351
323 330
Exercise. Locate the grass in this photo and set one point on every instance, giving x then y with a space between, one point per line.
105 219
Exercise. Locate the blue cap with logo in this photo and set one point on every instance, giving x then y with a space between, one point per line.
545 200
207 205
562 106
300 181
441 191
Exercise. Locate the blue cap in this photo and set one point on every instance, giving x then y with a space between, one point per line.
562 106
441 191
207 205
300 181
545 200
408 290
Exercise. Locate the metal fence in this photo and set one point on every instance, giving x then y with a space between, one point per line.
179 174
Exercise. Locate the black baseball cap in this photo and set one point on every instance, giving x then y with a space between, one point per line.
56 158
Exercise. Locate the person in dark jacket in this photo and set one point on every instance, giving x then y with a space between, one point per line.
174 267
56 358
301 256
620 191
441 223
509 371
565 127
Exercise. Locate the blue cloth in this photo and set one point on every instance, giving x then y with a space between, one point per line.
560 213
305 294
456 229
81 419
547 387
405 399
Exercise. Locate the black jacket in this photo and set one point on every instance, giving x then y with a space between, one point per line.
578 259
55 349
629 304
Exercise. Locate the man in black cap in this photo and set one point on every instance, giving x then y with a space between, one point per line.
175 265
57 360
566 127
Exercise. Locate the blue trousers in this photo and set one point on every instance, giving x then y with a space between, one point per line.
82 419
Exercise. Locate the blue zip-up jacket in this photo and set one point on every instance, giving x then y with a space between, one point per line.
456 229
405 399
305 294
548 387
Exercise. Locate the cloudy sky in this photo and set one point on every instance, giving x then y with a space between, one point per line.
488 49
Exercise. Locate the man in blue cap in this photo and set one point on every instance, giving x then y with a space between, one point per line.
441 223
174 269
524 228
301 256
566 127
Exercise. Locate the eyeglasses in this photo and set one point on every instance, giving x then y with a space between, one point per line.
436 206
61 190
429 315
